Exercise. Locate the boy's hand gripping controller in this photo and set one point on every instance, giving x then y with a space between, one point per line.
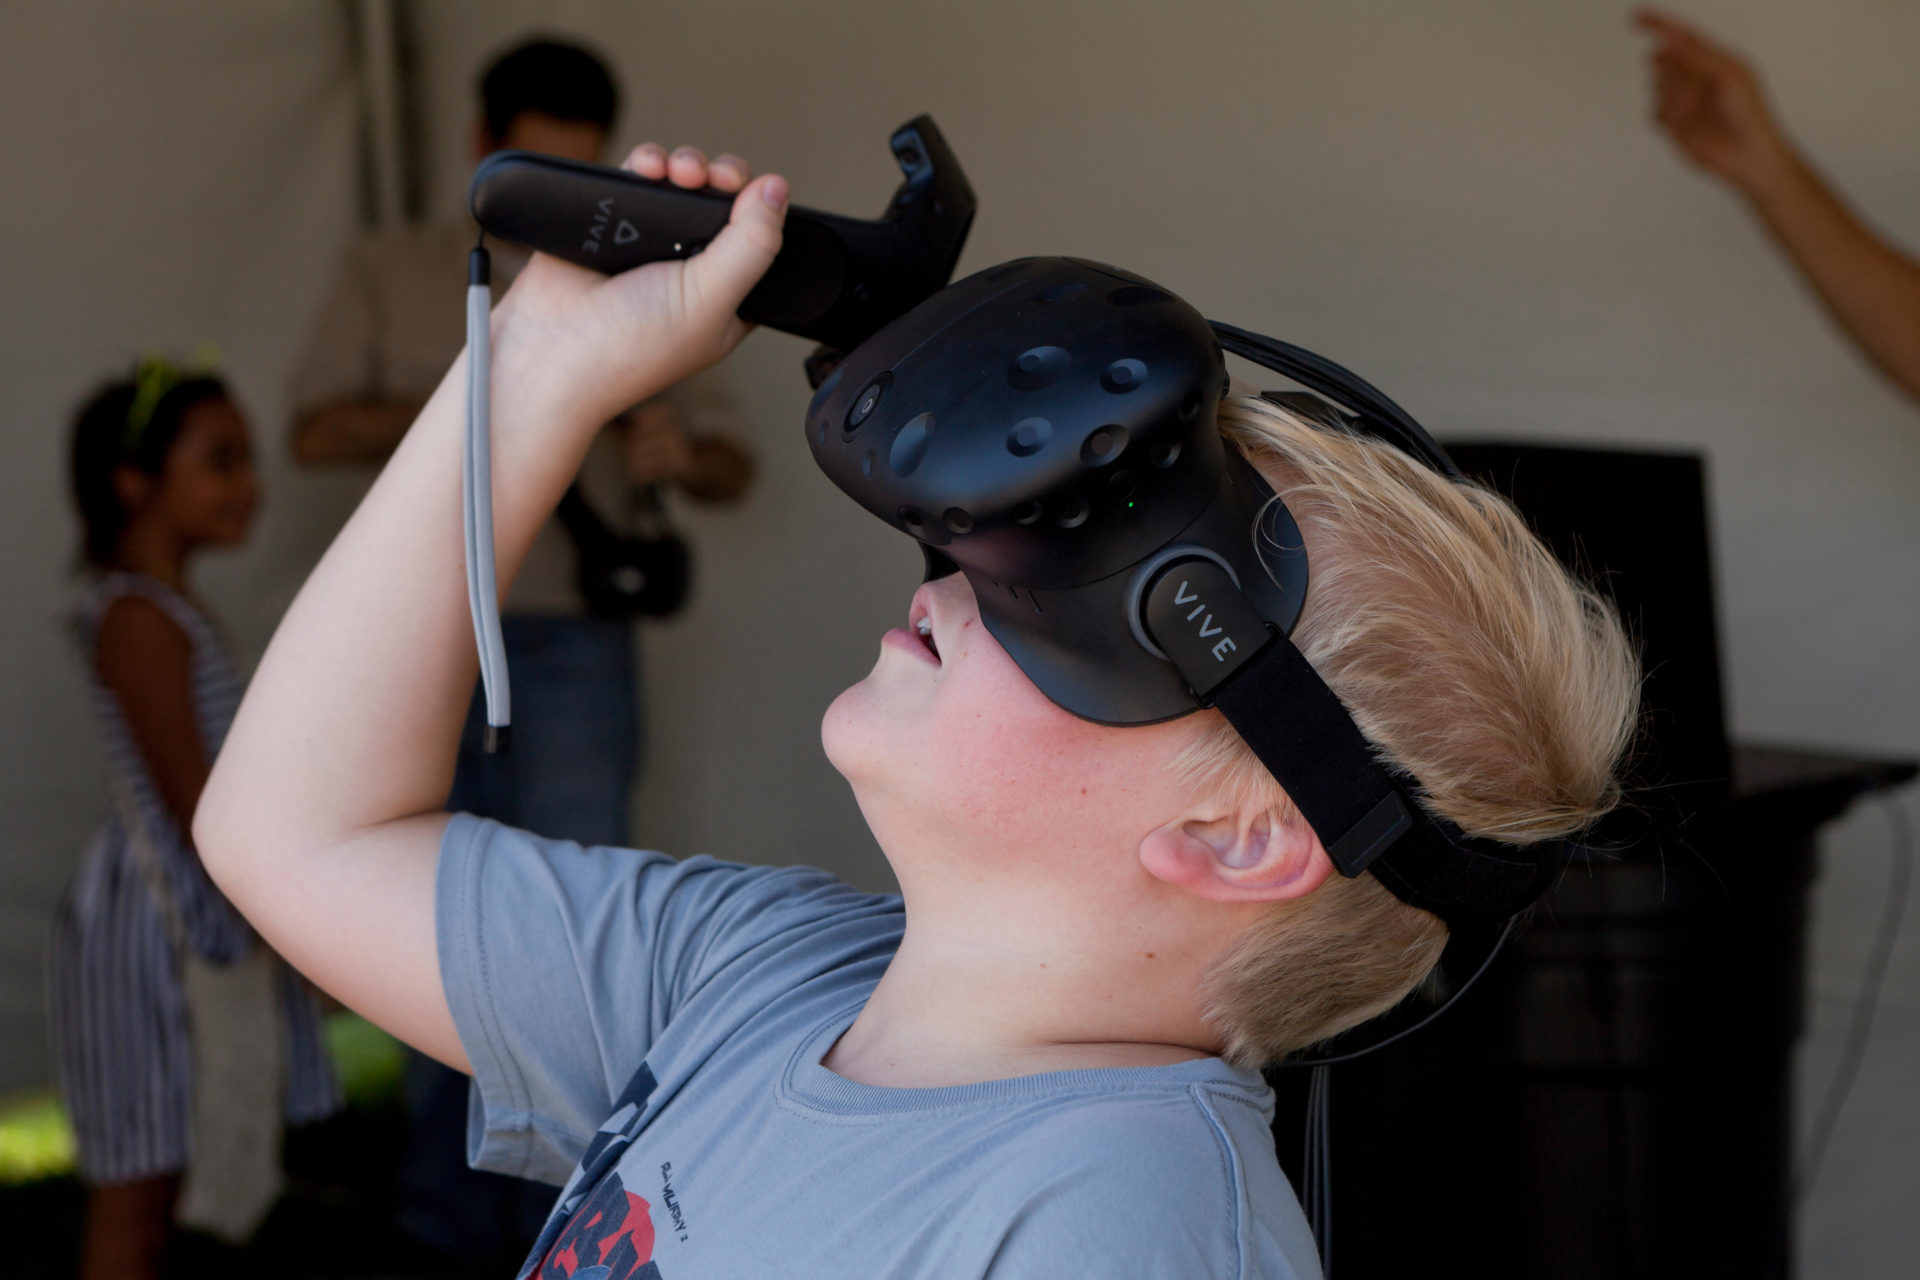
836 280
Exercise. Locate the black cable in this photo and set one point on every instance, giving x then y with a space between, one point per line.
1316 1164
1341 385
1326 1171
1506 931
1860 1027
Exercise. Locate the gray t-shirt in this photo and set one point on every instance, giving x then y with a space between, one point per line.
650 1032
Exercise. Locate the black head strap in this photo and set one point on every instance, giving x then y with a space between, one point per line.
1368 816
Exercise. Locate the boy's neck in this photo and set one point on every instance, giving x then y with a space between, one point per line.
944 1016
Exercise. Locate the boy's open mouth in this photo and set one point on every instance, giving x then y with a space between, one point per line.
923 627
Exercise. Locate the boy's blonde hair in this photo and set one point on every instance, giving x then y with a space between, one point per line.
1467 655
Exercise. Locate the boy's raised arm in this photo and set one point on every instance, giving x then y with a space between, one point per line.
322 817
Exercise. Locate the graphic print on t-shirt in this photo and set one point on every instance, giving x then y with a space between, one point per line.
609 1237
601 1231
604 1231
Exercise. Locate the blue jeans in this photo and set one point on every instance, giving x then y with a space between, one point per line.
576 751
576 732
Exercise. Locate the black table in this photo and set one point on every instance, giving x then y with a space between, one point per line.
1614 1099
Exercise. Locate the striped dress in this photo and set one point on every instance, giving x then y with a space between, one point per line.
121 1051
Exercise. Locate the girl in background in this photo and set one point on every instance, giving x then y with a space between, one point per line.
161 469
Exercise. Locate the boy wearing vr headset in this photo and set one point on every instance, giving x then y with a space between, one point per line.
1046 1061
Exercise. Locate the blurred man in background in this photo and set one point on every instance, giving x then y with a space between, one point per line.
393 322
1710 103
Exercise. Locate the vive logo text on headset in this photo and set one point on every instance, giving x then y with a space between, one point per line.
1195 613
1207 628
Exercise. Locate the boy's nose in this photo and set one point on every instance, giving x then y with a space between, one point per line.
954 595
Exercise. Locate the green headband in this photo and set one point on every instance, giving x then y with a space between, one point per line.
153 377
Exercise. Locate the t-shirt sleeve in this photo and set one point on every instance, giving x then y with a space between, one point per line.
563 965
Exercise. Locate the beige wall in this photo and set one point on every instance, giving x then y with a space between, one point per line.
1464 201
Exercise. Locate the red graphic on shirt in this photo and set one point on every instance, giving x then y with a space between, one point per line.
609 1237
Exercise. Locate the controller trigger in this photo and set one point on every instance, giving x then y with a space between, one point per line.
820 364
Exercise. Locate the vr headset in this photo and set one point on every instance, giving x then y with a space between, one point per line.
1046 427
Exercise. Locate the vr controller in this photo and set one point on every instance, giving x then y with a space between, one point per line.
837 280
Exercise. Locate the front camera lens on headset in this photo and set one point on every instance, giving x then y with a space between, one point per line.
866 402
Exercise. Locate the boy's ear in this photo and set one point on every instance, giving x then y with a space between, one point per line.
1260 852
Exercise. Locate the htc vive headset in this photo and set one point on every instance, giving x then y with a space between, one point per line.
1046 427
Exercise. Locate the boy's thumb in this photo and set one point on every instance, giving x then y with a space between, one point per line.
733 263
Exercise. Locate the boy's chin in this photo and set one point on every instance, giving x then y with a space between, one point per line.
842 733
862 741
